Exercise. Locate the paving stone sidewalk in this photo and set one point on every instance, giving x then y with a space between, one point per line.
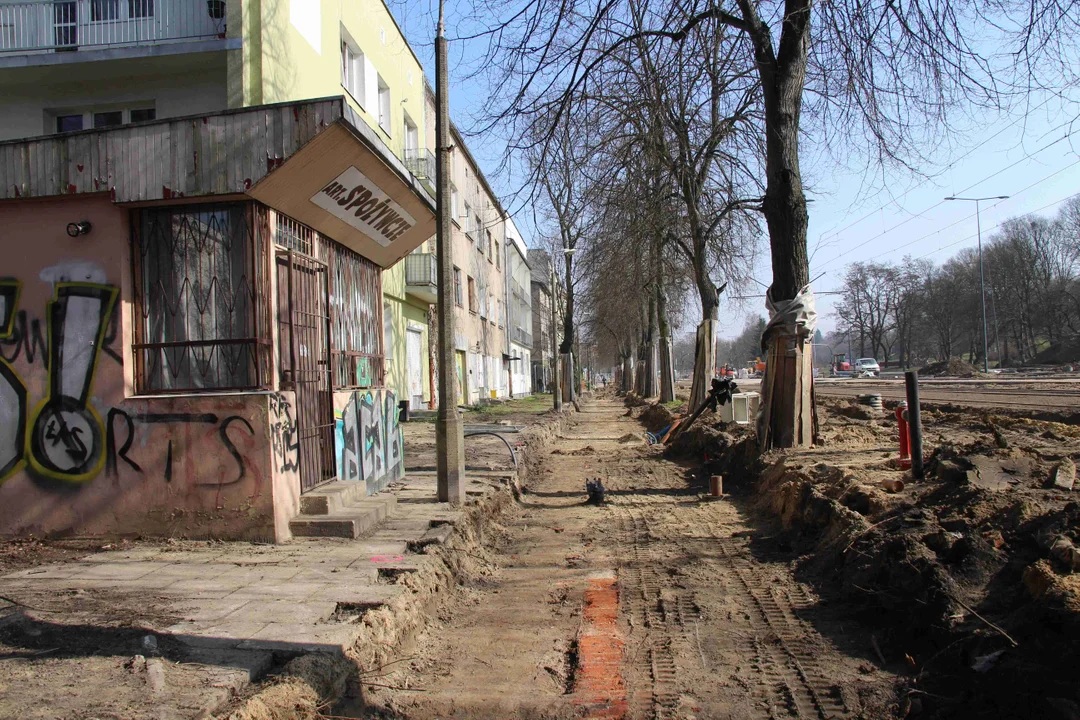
296 597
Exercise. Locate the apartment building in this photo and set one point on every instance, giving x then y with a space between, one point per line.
541 292
95 64
519 321
238 182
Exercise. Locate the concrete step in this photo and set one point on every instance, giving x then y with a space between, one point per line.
350 521
336 496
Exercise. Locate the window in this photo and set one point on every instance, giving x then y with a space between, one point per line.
352 71
454 204
196 284
141 9
388 329
355 289
108 119
489 253
473 305
468 222
412 137
143 115
498 256
104 10
384 105
483 304
478 227
458 298
69 123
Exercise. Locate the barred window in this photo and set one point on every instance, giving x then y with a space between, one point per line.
197 270
355 331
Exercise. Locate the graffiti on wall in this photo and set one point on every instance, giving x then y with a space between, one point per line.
63 437
368 440
122 428
284 434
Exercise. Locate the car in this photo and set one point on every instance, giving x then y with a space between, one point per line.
865 366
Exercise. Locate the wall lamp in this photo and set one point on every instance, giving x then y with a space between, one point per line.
76 229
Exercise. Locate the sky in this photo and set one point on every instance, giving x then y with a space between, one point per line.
1032 156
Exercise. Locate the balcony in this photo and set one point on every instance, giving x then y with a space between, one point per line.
422 276
38 27
521 337
421 163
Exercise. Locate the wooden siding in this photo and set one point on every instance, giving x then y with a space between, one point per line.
216 154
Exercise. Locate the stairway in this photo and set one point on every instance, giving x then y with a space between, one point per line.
341 509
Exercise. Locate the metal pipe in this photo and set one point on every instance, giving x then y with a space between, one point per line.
911 380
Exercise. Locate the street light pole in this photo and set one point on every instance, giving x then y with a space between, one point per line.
982 276
449 438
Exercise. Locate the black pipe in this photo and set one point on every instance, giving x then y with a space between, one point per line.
911 380
513 455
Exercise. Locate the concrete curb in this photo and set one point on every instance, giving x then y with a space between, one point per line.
314 681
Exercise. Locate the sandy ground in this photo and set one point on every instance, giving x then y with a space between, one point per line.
709 621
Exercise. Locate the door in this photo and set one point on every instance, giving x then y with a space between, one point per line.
415 357
304 351
462 385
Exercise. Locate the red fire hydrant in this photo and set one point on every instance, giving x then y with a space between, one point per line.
905 440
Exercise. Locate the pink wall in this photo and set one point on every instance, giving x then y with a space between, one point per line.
79 454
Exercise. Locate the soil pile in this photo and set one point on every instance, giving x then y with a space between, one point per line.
969 572
656 417
953 367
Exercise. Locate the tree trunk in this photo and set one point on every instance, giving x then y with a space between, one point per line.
787 388
667 370
650 388
705 348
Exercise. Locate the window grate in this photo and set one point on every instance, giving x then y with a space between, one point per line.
196 274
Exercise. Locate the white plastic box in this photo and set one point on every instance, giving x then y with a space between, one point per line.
743 408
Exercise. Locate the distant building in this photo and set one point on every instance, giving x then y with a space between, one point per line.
542 364
519 312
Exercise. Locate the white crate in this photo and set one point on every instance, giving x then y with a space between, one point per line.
742 409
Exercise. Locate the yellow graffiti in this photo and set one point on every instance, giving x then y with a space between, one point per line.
64 437
12 390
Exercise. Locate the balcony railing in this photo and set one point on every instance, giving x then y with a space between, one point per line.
42 26
521 337
420 163
422 276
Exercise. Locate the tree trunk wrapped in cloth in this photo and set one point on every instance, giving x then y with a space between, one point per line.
789 373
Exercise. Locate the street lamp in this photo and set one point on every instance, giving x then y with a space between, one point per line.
982 277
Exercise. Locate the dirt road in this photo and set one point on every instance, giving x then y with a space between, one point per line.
655 604
1028 396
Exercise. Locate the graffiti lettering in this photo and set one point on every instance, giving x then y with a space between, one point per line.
66 434
113 453
63 436
232 448
24 339
12 389
367 439
284 438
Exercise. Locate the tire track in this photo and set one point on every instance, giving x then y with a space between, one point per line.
784 651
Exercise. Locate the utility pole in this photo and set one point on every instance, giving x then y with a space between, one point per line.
556 391
982 277
449 439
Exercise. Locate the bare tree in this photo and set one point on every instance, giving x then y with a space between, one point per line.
872 74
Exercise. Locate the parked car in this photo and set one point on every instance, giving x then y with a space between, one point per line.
865 366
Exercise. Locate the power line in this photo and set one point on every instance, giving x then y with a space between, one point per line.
942 202
995 227
1019 120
